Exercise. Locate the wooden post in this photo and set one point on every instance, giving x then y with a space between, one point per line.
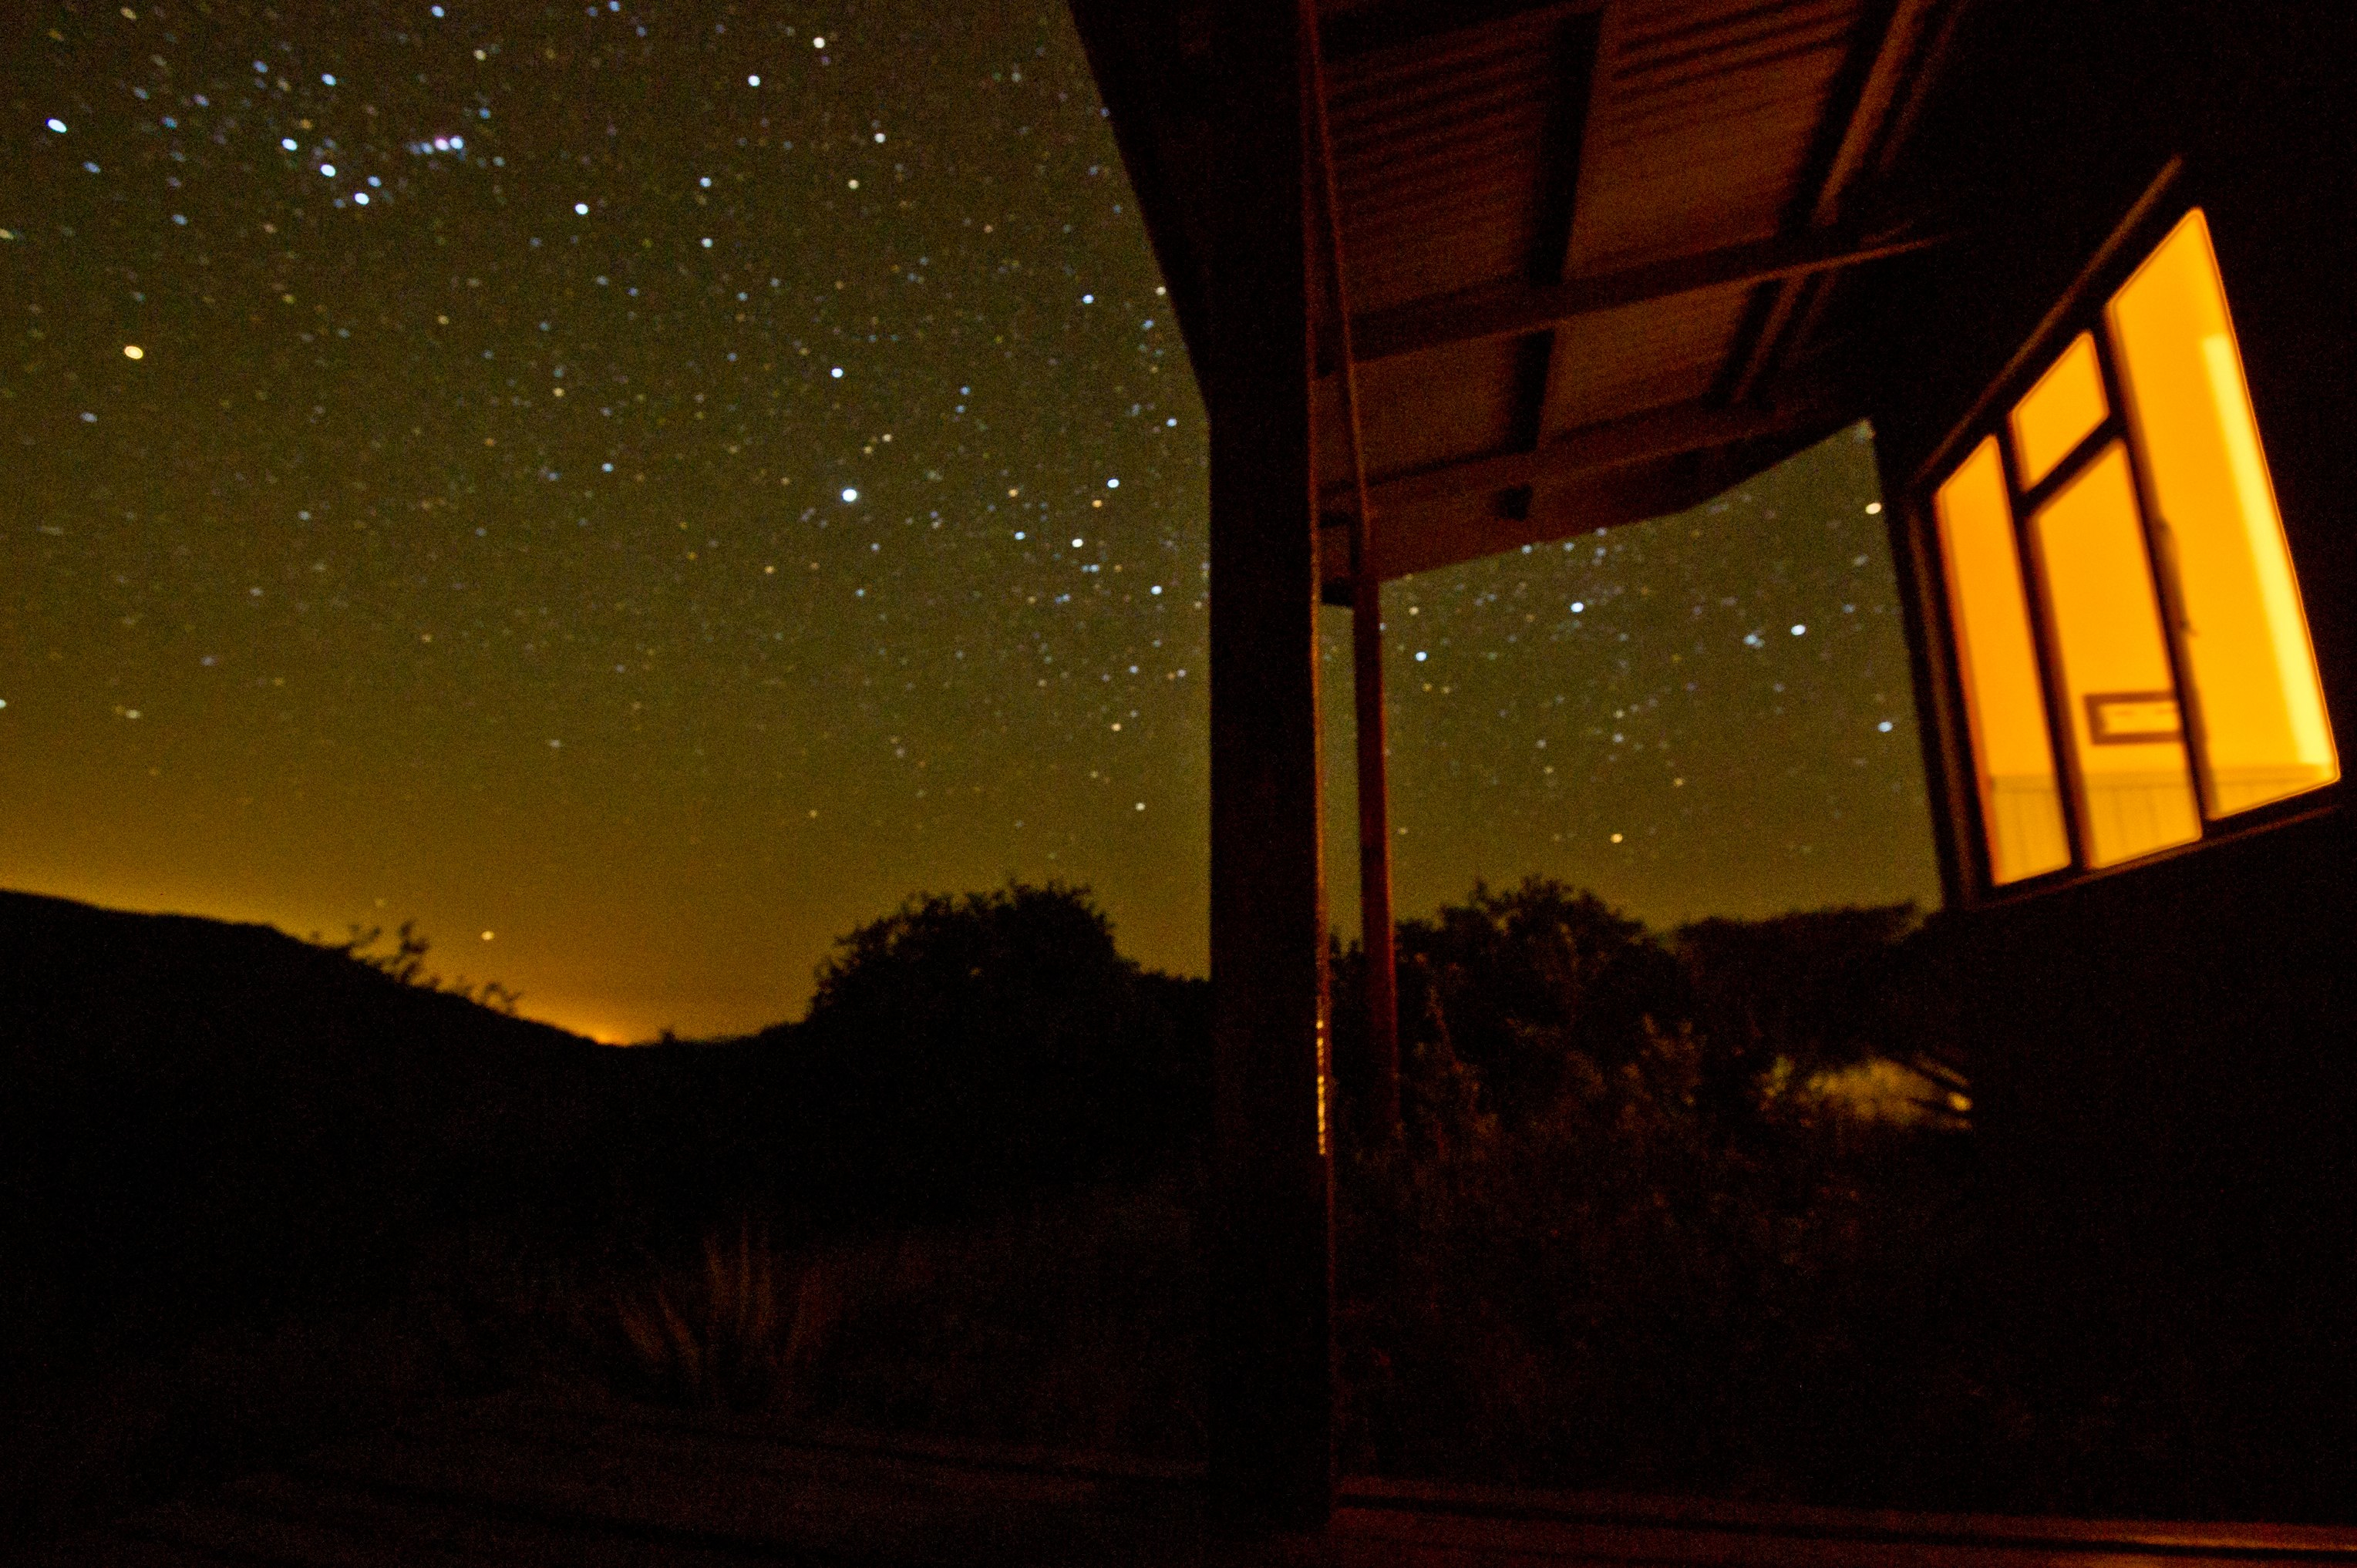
1380 984
1271 1244
1375 932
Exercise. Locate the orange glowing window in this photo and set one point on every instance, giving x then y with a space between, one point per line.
2013 754
2061 410
2120 593
2128 775
2258 705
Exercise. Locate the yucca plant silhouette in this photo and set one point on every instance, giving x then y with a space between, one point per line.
727 1335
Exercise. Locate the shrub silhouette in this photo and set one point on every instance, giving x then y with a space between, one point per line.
966 1046
1615 1248
1517 982
406 961
729 1330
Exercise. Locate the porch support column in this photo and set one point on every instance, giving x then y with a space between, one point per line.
1379 986
1271 1383
1375 930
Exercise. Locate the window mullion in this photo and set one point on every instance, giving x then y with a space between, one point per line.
2068 785
2160 551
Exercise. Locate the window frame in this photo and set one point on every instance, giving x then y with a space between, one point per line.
2081 308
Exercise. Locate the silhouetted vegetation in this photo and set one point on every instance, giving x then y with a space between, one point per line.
1639 1232
404 960
1778 1209
248 1182
981 1044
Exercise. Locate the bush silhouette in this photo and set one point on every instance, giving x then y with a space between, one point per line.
966 1044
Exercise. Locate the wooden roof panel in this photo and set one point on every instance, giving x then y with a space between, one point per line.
1641 357
1464 400
1701 122
1443 156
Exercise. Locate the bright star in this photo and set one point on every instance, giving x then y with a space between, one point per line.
1798 630
753 80
361 196
581 209
133 351
849 494
328 170
58 125
287 142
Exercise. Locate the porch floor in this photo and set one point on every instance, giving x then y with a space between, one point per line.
512 1481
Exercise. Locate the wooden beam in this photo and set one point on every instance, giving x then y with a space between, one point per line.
1509 310
1408 542
1379 965
1617 443
1878 91
1270 1376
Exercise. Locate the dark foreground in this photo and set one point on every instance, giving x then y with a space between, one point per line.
514 1481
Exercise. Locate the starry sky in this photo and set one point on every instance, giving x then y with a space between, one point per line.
641 489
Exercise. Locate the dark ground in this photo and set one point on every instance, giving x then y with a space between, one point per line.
257 1195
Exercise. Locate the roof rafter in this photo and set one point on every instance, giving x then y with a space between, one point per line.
1619 442
1881 94
1510 310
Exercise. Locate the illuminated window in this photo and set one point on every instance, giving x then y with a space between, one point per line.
2119 593
2021 804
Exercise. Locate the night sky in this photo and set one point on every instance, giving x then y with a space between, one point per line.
643 490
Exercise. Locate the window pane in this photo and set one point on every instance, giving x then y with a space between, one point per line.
2022 807
2066 403
2262 734
2127 750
